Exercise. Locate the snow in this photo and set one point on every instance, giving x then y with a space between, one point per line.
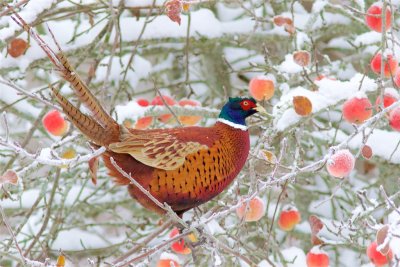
227 23
293 257
392 92
200 26
239 58
367 38
339 42
394 219
226 13
130 110
75 194
169 256
10 96
305 22
330 93
140 68
203 23
382 142
289 66
214 228
317 250
319 5
361 4
76 239
29 14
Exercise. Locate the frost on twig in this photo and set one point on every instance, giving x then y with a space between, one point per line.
212 55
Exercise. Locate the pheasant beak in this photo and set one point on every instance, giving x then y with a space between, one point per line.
260 108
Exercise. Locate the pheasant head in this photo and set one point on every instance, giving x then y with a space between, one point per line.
237 109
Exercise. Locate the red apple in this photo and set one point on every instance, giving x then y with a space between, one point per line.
357 110
143 102
261 88
289 218
376 257
17 47
341 163
54 123
255 210
179 246
317 258
189 120
394 119
374 17
388 99
143 123
390 66
157 101
168 260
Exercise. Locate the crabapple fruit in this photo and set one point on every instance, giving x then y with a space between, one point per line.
394 119
388 99
374 17
189 120
179 246
377 257
357 110
316 257
54 123
341 163
261 88
255 210
289 218
158 101
168 260
390 66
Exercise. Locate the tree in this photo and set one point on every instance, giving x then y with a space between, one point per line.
324 159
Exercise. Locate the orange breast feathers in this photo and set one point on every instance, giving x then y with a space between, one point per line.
205 167
203 174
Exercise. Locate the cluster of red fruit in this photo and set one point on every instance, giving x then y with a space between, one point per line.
288 219
359 109
373 20
145 122
390 68
56 125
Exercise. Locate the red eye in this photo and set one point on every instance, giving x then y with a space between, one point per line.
246 105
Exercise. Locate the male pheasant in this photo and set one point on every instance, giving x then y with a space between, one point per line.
183 167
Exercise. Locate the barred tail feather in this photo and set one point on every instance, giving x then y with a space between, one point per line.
68 73
84 94
92 129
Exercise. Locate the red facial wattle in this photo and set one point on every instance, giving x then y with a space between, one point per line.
247 105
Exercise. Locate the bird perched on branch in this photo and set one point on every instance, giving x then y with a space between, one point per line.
183 167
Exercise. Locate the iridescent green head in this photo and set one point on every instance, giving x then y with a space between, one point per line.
237 109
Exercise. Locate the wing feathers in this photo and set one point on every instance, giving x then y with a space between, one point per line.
159 150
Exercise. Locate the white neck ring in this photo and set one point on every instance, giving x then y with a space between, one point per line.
232 124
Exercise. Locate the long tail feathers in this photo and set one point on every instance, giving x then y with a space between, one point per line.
102 129
84 94
88 126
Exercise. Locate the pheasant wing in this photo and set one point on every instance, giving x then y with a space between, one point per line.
161 149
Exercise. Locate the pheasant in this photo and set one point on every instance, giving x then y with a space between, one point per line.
183 167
